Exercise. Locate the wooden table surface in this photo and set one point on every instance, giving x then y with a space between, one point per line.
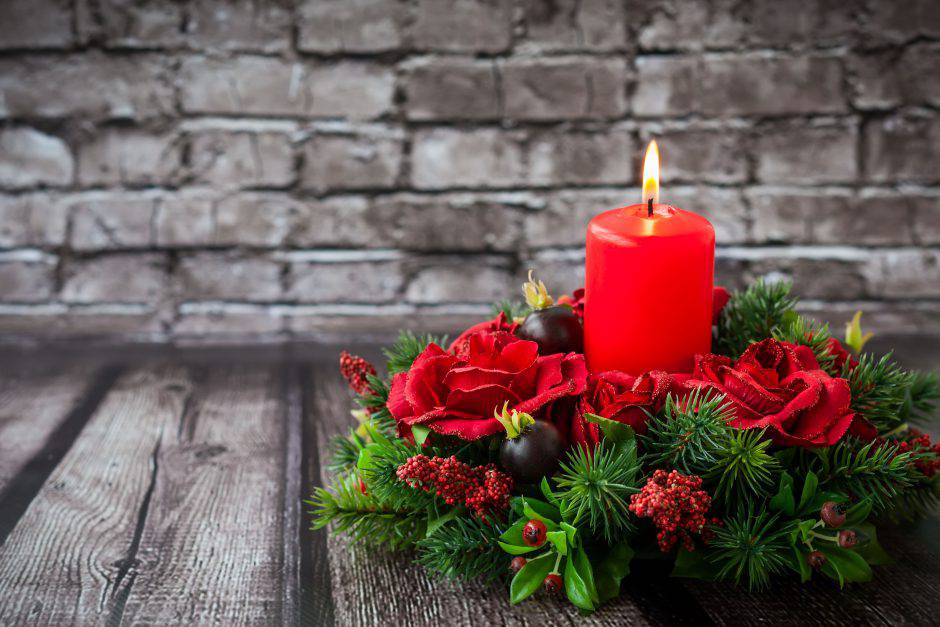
162 485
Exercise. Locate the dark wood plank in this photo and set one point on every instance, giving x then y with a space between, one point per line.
372 586
31 408
211 548
67 560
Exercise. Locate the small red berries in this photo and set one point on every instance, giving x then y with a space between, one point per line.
677 506
847 538
552 583
516 564
533 534
816 560
483 489
833 514
356 371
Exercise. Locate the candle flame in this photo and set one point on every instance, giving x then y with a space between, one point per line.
651 173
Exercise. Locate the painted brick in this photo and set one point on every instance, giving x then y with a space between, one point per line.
227 159
129 157
782 154
598 25
477 158
462 25
29 157
451 89
130 23
903 148
102 221
363 160
558 88
239 25
32 220
36 24
26 279
117 278
228 276
331 26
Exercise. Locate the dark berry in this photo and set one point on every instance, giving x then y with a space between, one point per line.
833 514
847 539
533 454
555 329
552 583
816 560
516 564
533 534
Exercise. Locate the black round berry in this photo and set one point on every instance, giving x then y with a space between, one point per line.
533 454
555 329
533 534
816 560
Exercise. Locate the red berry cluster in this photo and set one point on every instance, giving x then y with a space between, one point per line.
356 370
483 489
677 507
918 442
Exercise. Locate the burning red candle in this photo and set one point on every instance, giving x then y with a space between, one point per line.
648 284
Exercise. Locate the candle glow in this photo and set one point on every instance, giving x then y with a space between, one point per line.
651 173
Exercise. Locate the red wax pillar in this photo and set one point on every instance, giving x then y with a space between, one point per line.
648 289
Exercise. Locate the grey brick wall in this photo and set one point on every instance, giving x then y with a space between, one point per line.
226 170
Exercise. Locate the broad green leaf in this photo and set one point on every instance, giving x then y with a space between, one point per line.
809 490
799 564
693 564
559 539
540 510
613 567
547 492
570 530
869 549
849 565
365 456
513 535
613 430
530 577
576 588
783 501
586 570
516 549
858 513
420 433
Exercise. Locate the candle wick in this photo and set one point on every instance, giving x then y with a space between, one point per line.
649 208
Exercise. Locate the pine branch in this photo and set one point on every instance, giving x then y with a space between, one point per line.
345 452
805 332
916 501
752 315
594 488
512 308
406 349
687 434
923 397
376 403
875 471
380 476
363 517
744 469
881 391
750 547
464 548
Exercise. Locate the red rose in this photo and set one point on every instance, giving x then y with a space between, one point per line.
457 394
460 346
620 397
834 347
781 386
720 298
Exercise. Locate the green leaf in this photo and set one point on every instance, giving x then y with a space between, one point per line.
570 530
365 456
809 489
692 564
801 566
436 521
547 492
783 501
420 433
613 430
511 540
612 567
559 539
858 513
540 510
801 531
583 564
869 549
576 587
848 565
530 577
516 549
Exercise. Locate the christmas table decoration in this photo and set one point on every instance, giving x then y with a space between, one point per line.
499 455
648 416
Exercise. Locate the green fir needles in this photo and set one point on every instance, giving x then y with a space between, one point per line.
687 435
464 548
743 469
594 488
752 315
406 349
750 548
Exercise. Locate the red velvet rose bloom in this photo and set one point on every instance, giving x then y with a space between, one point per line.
781 386
456 394
620 397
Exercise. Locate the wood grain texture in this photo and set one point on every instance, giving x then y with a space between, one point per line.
67 561
211 548
31 408
372 586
